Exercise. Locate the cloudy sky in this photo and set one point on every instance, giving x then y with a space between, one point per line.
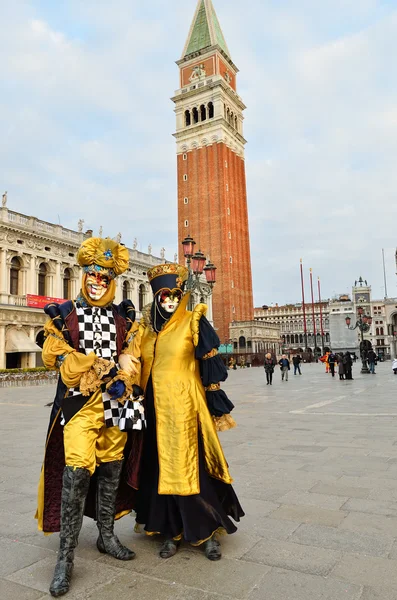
86 127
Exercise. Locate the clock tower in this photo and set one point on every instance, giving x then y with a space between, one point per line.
212 196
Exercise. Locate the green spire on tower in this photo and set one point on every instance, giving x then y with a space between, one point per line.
205 30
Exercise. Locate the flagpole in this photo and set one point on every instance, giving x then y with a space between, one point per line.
314 318
321 316
303 307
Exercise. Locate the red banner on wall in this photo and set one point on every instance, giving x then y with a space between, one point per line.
40 301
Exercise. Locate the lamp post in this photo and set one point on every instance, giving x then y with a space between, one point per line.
195 262
363 324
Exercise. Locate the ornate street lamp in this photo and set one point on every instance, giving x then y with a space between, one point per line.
363 324
195 263
188 247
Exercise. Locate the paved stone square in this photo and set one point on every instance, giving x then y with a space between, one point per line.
315 466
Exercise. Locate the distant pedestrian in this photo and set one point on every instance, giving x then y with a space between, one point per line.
394 366
371 357
284 366
324 359
348 364
296 360
331 362
341 367
269 368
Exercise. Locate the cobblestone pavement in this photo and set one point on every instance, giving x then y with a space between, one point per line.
315 465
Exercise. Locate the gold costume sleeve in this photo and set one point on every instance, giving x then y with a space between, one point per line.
74 366
199 311
74 363
133 348
54 345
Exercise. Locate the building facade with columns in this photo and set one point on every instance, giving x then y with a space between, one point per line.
38 262
290 320
255 337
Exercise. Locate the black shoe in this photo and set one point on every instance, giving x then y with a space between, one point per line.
212 549
169 548
75 484
107 486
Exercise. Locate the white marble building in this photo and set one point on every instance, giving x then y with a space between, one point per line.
38 258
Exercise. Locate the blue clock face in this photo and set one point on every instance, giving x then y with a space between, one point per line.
362 298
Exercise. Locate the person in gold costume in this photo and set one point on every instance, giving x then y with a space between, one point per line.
185 487
90 341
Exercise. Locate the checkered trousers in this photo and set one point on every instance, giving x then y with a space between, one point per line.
97 331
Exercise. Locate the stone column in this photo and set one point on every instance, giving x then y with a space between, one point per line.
119 291
57 288
2 347
22 284
32 288
32 355
3 274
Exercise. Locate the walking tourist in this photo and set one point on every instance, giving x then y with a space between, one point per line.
269 368
394 366
324 359
348 365
90 342
341 367
185 487
372 360
296 360
284 366
331 362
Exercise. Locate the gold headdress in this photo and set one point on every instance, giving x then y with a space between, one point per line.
105 253
169 276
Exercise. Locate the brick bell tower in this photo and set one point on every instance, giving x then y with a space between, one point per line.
212 196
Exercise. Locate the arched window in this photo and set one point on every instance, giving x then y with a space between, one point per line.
301 339
231 118
288 339
235 123
382 331
203 113
126 289
377 331
187 118
142 294
40 338
67 284
296 339
14 276
195 115
241 342
327 337
210 110
42 279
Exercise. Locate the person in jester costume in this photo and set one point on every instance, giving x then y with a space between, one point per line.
185 487
90 340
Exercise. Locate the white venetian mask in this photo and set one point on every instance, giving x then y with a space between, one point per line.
169 300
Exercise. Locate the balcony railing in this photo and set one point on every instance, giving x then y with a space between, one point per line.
17 300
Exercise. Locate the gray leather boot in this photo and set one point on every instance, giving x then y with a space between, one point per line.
75 484
107 486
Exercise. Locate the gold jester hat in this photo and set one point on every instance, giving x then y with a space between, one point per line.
105 253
